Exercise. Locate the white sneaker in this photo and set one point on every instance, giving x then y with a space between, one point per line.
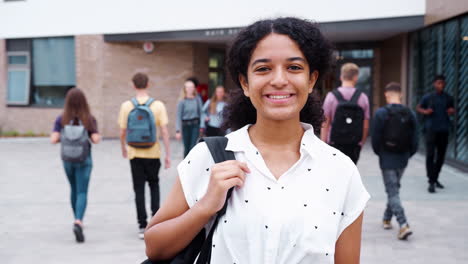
141 233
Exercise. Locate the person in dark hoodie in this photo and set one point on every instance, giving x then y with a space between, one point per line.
394 140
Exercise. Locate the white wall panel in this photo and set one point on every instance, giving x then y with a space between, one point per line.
36 18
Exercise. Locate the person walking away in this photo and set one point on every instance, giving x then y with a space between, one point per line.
139 120
347 115
75 128
436 107
212 118
189 111
394 139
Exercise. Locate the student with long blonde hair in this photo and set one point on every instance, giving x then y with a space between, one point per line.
189 111
212 113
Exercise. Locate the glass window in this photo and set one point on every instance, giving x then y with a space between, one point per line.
357 54
50 70
216 69
18 86
441 49
18 78
17 59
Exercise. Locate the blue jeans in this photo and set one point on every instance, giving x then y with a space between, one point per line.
392 187
190 133
78 174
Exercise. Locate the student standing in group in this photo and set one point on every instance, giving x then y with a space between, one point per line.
296 199
138 120
189 111
394 140
347 115
212 118
437 107
75 128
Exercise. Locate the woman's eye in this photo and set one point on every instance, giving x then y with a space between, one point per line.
262 69
295 67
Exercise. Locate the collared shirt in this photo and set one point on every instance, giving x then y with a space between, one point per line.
439 120
296 218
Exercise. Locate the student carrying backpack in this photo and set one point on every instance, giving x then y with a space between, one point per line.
76 129
138 119
347 114
394 140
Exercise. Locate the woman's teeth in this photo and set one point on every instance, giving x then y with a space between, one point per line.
277 97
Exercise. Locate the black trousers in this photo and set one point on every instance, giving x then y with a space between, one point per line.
352 151
145 170
436 146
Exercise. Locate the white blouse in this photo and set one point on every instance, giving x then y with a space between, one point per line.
294 219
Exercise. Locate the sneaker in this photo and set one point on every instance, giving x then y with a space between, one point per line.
387 224
78 231
141 233
439 185
405 232
431 188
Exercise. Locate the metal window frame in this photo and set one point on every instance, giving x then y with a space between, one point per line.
20 68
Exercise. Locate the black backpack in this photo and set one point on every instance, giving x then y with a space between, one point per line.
398 129
201 245
348 120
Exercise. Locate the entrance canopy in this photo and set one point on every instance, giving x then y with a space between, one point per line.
343 31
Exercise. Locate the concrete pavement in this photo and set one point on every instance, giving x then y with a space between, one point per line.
36 218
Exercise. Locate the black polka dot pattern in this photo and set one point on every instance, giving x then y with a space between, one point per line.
303 202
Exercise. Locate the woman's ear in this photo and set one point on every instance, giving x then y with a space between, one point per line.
312 80
244 84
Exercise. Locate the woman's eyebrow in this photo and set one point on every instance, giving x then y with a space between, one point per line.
296 58
269 60
260 61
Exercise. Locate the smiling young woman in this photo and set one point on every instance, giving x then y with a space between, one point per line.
297 200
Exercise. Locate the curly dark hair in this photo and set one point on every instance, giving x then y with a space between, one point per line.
316 49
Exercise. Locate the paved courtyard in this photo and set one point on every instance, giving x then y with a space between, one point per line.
36 219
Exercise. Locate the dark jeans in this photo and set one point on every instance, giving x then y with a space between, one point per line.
214 131
78 174
436 146
145 170
190 133
392 180
352 151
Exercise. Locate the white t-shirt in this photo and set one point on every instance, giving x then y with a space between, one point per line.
294 219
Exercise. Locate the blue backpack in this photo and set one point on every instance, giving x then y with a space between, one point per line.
141 126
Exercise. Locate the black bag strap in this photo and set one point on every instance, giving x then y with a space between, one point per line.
338 96
354 99
217 146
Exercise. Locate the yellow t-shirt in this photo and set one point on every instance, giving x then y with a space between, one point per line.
160 116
